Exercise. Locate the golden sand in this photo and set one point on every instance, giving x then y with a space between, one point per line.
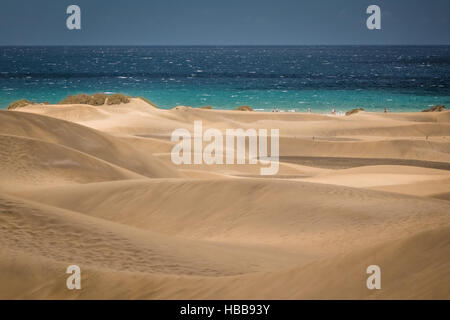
95 187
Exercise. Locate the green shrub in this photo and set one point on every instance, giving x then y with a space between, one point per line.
117 98
19 104
244 108
77 99
435 109
98 99
353 111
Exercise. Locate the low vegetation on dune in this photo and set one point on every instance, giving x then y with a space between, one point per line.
435 109
22 103
181 108
19 104
97 99
76 99
244 108
353 111
117 98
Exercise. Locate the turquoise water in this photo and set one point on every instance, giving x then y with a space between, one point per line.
266 78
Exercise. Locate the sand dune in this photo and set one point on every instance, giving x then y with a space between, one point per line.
64 236
416 268
295 217
427 188
95 186
393 149
89 141
30 161
372 176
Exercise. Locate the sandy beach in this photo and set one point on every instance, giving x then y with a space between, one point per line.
95 186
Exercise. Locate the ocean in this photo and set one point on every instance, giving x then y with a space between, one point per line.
400 78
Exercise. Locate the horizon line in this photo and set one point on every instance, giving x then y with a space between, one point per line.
224 45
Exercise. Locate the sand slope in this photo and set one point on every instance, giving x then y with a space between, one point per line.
301 216
89 141
94 186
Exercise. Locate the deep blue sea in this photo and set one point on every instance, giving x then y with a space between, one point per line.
318 77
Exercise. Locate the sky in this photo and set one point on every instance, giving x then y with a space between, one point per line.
220 22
